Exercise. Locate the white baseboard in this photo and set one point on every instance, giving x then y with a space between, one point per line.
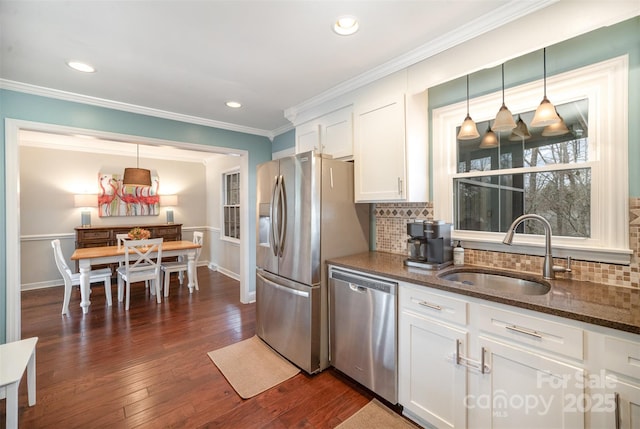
229 273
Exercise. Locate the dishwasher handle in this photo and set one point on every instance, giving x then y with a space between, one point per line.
359 283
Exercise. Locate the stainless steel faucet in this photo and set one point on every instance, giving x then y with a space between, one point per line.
548 269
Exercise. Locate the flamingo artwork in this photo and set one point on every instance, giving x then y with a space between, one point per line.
118 199
107 195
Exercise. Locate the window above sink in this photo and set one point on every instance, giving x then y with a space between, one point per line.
578 181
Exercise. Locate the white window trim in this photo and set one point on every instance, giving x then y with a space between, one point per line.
605 84
223 197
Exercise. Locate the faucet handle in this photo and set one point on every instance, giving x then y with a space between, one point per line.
565 269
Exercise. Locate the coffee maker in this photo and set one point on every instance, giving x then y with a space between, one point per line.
429 244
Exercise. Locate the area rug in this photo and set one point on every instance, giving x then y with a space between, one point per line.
251 366
375 415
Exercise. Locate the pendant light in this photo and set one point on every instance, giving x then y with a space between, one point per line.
504 119
520 132
137 176
468 129
557 129
489 140
546 112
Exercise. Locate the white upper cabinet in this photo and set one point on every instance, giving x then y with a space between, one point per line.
390 143
330 134
380 169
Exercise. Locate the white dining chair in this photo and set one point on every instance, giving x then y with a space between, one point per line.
142 260
181 266
120 239
73 279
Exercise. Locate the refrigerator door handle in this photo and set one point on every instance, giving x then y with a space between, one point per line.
274 213
283 226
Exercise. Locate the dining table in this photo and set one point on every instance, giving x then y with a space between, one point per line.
88 256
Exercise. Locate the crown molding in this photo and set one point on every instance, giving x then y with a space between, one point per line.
126 107
511 11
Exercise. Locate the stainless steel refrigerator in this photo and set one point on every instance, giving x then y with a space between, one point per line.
305 215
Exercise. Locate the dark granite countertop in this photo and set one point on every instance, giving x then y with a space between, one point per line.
610 306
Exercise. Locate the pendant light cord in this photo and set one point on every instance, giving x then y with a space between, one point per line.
137 156
467 95
503 84
544 67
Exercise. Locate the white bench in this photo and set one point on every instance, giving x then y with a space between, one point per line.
14 358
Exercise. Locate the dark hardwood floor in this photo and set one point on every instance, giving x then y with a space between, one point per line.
148 367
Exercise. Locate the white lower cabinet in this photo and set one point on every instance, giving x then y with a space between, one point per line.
525 389
614 401
431 383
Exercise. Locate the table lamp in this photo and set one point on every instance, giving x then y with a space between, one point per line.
85 201
169 201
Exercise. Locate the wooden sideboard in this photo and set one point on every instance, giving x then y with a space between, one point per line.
96 236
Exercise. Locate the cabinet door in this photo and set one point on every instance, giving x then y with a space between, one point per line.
432 387
626 405
379 151
524 389
336 133
308 137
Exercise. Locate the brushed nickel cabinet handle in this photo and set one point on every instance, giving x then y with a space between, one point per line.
520 330
617 412
429 305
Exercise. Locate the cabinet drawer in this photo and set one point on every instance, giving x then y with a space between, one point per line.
425 302
167 233
532 331
622 356
94 235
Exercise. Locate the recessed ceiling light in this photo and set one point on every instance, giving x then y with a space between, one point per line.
233 104
80 66
346 25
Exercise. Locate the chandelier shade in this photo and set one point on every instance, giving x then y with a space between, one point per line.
137 176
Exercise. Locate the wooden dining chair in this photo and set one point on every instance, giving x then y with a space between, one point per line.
181 266
73 279
142 260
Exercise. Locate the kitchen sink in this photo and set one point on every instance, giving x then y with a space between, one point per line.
497 282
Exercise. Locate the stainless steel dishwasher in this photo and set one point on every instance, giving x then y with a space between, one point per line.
362 330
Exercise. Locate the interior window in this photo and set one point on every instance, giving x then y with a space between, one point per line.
231 206
545 177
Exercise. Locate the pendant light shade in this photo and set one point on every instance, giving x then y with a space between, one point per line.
557 129
490 140
468 129
137 176
504 119
520 132
546 112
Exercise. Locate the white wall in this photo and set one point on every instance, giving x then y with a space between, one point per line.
225 254
48 180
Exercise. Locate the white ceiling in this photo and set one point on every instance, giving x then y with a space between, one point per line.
189 57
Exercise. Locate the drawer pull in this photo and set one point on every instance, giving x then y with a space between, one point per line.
520 330
617 413
429 305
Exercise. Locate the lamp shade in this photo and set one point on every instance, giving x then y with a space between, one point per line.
468 130
504 120
168 200
489 140
520 132
545 114
85 200
557 129
137 176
